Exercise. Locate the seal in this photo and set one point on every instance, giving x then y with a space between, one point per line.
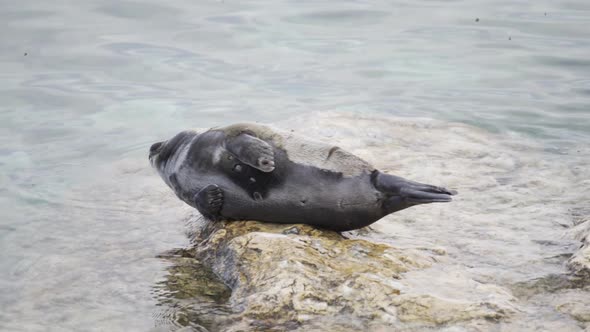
255 172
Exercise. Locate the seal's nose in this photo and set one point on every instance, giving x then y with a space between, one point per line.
155 148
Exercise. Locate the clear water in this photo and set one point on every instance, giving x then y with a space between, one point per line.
86 87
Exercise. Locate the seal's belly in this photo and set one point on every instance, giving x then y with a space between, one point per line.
311 196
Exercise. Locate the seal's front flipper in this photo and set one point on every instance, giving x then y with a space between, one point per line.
252 151
209 201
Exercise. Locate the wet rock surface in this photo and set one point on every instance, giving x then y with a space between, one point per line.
576 305
296 277
579 263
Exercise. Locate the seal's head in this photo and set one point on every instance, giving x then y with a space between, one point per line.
162 152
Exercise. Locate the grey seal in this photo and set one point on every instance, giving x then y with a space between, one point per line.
256 172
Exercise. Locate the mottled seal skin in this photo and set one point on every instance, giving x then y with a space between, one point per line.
254 172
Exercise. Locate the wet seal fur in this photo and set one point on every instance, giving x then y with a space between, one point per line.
254 172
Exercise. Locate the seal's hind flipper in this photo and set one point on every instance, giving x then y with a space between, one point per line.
209 201
252 151
402 193
392 184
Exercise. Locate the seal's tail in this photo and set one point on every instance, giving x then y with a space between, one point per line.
402 193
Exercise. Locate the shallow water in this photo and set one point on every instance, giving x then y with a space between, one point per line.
86 89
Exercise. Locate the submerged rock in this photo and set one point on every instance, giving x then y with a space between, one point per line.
579 263
427 308
289 277
576 305
195 296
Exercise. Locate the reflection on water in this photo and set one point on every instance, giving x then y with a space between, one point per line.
86 89
191 294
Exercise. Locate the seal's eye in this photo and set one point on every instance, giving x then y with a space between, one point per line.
155 148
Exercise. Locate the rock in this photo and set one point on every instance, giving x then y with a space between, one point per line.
575 303
288 277
579 263
289 274
427 308
580 311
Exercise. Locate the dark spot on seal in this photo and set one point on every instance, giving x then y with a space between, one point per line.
303 201
477 19
27 53
238 168
257 196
